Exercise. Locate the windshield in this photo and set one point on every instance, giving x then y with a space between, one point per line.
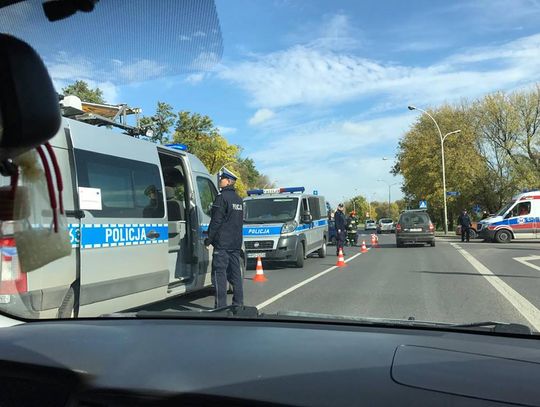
257 130
270 210
505 208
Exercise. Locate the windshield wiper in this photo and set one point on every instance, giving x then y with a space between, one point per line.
500 327
229 311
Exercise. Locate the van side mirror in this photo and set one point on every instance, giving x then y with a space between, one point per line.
306 217
29 108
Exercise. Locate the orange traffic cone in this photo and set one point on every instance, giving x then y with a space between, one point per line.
363 249
341 259
259 275
374 241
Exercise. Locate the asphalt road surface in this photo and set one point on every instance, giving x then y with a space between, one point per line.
453 282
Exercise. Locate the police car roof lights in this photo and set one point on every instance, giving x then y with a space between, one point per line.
288 190
177 146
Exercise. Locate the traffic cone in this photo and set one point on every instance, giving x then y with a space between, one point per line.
374 241
363 249
341 259
259 275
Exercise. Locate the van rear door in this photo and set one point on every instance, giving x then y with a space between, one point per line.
123 235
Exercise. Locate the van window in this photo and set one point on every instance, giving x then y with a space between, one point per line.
314 207
207 193
521 209
129 188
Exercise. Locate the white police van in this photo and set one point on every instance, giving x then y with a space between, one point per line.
284 224
518 219
137 213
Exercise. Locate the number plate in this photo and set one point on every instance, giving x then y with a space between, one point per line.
416 230
255 255
5 299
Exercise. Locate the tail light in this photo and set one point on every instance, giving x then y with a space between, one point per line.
12 279
398 228
431 227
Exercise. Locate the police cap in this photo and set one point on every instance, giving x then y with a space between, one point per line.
225 173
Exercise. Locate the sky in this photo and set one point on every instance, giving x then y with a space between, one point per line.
316 92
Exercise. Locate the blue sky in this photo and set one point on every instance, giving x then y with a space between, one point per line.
316 91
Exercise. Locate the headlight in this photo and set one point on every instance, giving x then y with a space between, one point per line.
289 227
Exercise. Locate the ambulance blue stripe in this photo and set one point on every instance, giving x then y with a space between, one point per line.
93 236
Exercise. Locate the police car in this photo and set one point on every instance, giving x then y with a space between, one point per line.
284 224
519 219
137 214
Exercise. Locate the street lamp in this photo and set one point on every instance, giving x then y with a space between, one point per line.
442 159
389 188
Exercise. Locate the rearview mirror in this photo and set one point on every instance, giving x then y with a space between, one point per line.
29 108
307 218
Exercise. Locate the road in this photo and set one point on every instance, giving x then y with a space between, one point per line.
453 282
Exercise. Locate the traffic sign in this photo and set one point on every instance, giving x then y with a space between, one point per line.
477 208
315 192
422 205
452 193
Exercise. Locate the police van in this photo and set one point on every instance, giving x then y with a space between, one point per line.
138 215
519 219
284 224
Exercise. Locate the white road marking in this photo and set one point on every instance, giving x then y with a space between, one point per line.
302 283
527 259
520 303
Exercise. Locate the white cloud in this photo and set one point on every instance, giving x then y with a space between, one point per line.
261 116
194 78
309 75
226 130
343 152
141 70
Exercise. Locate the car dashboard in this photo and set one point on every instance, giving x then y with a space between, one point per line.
132 362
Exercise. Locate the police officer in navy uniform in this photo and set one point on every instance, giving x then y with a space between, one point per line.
341 225
465 222
225 235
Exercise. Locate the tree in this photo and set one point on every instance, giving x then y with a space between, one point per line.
82 90
419 161
204 140
160 123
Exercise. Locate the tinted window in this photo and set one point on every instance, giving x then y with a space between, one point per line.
207 193
314 207
414 219
129 188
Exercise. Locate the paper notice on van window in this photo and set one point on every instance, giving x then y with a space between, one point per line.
90 198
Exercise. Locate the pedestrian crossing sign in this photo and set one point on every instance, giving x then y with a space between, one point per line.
423 205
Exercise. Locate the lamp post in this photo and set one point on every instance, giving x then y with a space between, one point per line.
442 138
389 188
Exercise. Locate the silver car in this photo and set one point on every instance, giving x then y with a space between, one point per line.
385 225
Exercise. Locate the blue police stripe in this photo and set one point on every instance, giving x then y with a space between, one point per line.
92 236
276 230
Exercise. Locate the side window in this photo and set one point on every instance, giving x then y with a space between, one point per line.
207 193
304 206
521 209
315 208
129 188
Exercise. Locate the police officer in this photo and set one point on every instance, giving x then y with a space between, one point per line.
341 225
465 222
225 235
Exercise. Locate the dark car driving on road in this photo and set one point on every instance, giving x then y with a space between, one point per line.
414 227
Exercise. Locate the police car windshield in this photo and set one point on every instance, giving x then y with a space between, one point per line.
270 210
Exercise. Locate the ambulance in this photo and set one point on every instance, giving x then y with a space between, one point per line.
284 224
518 219
137 214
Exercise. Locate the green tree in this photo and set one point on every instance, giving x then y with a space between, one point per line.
160 123
82 90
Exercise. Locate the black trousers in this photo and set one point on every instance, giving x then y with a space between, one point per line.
465 231
226 268
340 240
